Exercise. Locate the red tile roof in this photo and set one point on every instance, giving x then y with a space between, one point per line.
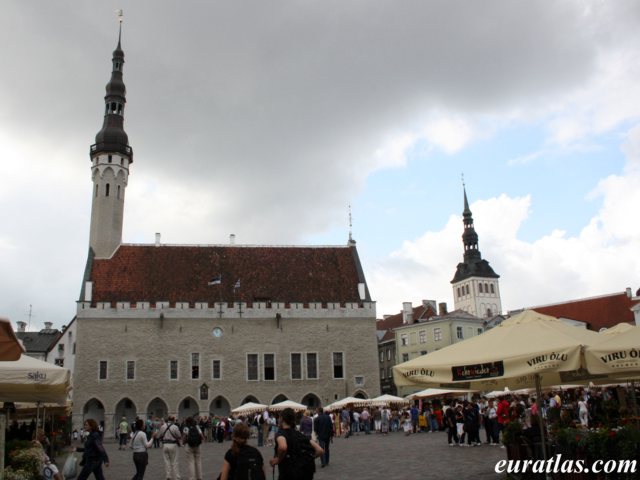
598 312
419 313
148 273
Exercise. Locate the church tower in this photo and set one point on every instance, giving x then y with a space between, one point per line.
111 157
475 284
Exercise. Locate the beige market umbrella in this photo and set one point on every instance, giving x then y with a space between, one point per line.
10 347
295 406
615 353
510 355
31 380
249 408
340 404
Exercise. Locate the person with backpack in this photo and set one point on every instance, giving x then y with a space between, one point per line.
242 461
295 454
192 437
171 438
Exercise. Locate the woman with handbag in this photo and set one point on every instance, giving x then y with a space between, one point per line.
93 453
139 444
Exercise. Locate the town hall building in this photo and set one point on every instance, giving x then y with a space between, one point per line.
198 330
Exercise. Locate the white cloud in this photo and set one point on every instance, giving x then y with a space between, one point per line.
450 134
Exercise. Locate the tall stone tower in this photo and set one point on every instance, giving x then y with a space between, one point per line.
475 285
111 157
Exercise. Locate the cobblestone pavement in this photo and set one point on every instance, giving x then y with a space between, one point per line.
389 457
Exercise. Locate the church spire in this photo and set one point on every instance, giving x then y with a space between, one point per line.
112 137
110 156
469 236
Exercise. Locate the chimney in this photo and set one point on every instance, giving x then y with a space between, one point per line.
22 326
442 308
48 325
407 313
629 294
232 239
157 239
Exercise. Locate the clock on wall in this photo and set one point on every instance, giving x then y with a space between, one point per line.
217 332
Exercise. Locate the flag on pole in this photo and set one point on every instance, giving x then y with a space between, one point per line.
237 285
217 280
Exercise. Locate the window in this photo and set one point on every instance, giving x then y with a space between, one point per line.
102 374
296 366
61 348
358 380
480 331
131 370
312 366
458 291
381 356
390 373
405 357
216 370
388 354
338 368
106 190
59 362
382 376
252 366
96 190
423 352
459 333
467 289
491 287
404 340
437 334
173 370
195 366
269 366
118 193
422 336
480 287
73 350
110 158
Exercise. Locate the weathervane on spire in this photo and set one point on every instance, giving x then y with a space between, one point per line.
120 14
463 185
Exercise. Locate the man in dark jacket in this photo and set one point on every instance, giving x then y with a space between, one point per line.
323 427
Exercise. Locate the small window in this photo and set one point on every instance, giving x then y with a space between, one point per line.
173 370
118 192
422 336
480 288
382 375
59 362
381 356
312 366
131 370
388 354
437 334
390 373
491 287
216 369
96 190
423 352
61 347
296 366
102 374
338 367
358 381
252 366
110 158
405 357
467 289
269 366
106 190
459 333
195 366
480 331
73 350
404 339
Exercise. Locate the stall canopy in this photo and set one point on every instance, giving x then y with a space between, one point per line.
295 406
10 347
437 393
249 408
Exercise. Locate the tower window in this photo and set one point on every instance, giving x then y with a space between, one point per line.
121 161
96 190
106 190
467 289
480 287
110 158
118 193
492 291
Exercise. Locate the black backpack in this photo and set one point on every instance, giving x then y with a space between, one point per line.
193 437
301 456
248 465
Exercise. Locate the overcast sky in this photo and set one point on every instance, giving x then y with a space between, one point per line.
268 119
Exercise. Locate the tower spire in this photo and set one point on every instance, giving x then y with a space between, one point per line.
110 157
